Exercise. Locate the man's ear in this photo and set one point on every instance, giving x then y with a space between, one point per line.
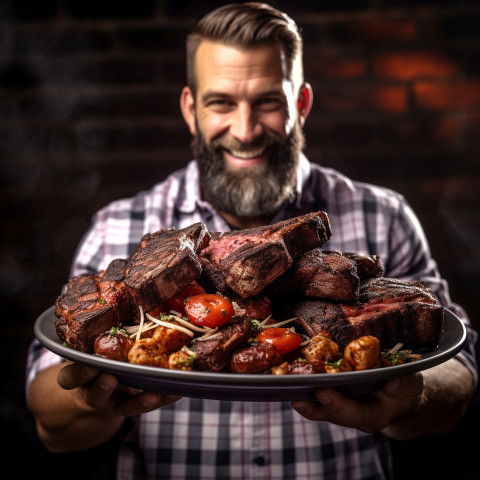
187 106
304 102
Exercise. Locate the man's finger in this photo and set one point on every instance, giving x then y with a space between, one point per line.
74 375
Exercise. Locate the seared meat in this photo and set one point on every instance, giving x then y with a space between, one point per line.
251 259
164 264
392 310
368 266
320 274
91 305
213 355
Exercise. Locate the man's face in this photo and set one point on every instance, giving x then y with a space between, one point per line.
247 134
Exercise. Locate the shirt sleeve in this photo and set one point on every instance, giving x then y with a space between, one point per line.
38 359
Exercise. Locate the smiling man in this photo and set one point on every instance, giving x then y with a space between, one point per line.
245 104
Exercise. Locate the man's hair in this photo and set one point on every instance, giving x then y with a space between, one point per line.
247 25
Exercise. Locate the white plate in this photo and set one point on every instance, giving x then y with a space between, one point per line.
262 387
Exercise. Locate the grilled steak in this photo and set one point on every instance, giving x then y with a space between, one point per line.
164 264
213 355
390 309
251 259
93 304
320 274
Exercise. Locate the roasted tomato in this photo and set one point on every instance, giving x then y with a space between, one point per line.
208 310
284 339
177 302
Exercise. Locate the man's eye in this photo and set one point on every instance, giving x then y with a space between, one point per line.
219 102
219 105
269 103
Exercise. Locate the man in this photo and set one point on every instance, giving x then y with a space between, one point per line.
245 105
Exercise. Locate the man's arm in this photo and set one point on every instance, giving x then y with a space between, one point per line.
420 404
77 407
447 391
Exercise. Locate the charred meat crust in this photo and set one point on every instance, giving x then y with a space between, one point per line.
251 259
165 263
390 309
321 274
213 355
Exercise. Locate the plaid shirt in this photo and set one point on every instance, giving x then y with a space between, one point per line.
210 439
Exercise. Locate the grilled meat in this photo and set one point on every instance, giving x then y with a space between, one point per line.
213 355
251 259
91 305
390 309
320 274
164 264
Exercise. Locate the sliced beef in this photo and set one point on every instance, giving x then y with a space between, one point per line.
251 259
164 264
93 304
213 355
320 274
390 309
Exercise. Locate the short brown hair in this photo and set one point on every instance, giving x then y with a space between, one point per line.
247 25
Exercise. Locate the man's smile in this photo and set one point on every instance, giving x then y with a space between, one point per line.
246 158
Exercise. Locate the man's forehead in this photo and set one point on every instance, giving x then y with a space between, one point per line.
219 59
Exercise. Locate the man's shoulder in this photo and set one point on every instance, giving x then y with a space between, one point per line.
330 179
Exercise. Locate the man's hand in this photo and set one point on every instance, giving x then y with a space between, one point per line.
423 403
100 390
78 407
397 398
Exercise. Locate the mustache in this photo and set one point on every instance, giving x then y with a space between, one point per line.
266 140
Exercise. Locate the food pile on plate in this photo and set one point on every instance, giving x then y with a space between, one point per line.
267 299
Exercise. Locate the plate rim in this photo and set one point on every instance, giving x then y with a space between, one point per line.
43 332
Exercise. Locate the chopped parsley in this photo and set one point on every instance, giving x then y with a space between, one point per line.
188 362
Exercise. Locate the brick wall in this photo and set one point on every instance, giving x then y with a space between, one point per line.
89 113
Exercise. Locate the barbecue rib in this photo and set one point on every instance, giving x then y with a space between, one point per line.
390 309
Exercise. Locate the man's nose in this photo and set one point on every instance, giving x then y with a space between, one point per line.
245 125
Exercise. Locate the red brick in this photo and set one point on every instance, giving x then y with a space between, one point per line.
359 98
421 130
438 95
334 67
409 65
373 30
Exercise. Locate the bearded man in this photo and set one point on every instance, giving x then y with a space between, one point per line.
245 104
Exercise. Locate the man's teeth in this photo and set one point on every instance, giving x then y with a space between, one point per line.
246 155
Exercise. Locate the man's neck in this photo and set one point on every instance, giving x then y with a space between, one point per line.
244 222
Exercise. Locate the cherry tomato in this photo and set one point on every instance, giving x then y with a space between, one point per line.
177 302
208 310
282 338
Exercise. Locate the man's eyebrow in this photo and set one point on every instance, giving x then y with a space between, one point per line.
266 93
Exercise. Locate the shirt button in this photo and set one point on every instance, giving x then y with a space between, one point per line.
259 460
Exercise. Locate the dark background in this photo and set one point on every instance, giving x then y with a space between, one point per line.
89 113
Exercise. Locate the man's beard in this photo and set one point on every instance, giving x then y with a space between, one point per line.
255 191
